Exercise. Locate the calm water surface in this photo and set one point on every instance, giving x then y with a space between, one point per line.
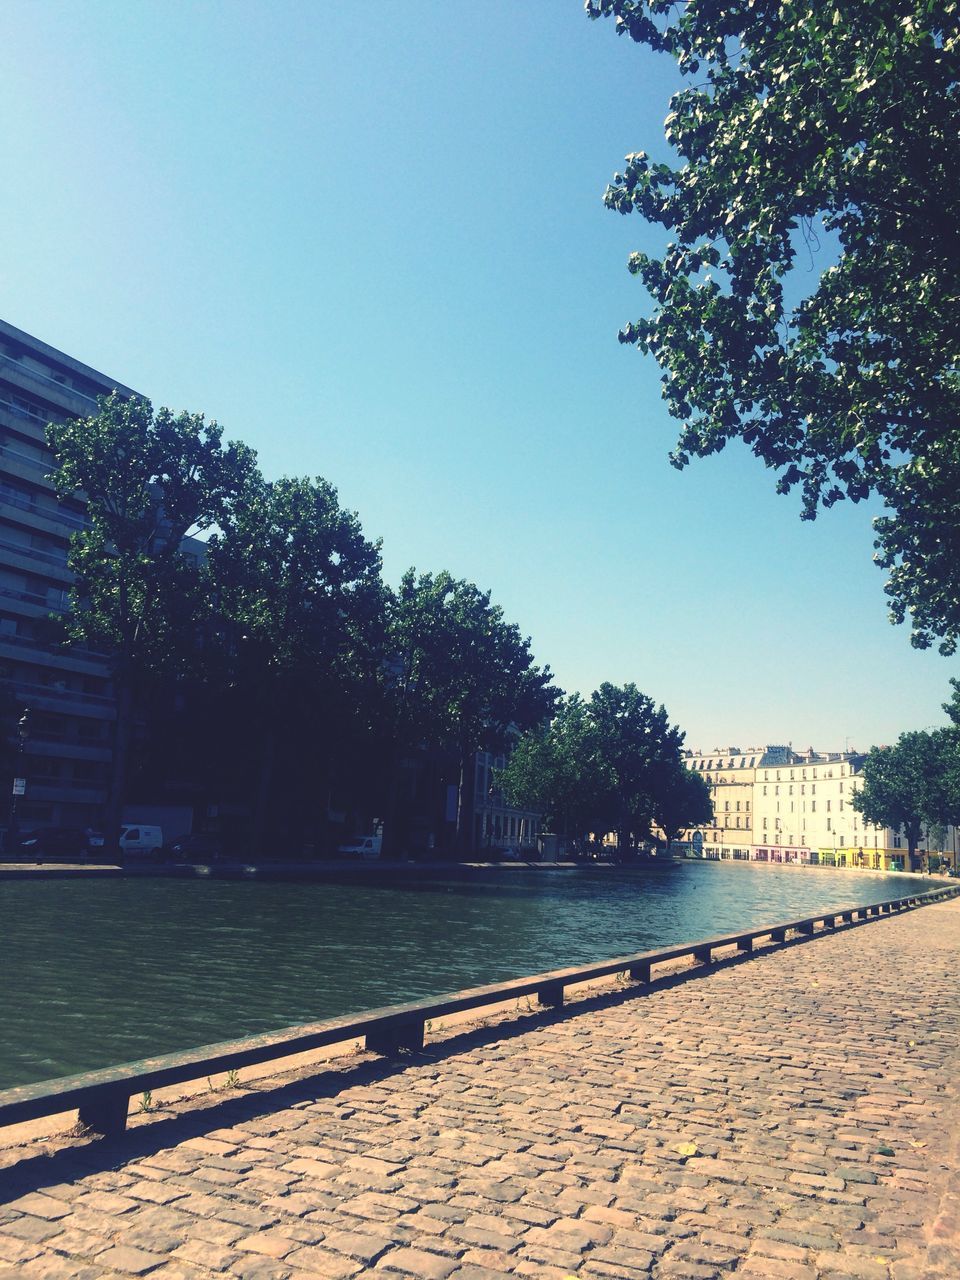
101 972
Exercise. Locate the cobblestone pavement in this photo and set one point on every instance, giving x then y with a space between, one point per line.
790 1116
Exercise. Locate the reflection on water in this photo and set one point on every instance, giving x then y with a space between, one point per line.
100 972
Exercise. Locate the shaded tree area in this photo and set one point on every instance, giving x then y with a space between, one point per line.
460 678
558 770
912 786
610 763
682 801
843 117
300 639
139 595
263 672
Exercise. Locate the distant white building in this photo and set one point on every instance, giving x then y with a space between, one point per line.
774 804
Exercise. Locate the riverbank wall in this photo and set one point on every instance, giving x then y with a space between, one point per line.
386 871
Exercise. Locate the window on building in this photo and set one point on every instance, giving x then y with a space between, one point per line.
828 806
813 806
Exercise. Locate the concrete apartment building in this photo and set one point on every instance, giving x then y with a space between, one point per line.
66 757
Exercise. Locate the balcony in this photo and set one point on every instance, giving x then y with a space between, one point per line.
83 661
19 372
56 515
45 697
59 559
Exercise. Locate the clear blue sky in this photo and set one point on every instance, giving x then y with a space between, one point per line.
369 240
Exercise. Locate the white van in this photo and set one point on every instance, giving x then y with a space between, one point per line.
137 839
362 847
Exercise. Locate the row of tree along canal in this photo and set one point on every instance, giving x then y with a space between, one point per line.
272 674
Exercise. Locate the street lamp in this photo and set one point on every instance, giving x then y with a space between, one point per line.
19 781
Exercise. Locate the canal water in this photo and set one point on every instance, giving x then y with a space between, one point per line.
99 972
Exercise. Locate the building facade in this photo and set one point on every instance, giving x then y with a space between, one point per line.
497 824
65 754
774 804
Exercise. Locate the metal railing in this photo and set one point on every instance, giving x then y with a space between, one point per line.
63 387
57 514
102 1097
59 559
64 693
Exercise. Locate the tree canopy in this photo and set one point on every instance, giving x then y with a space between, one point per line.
608 763
681 800
149 479
300 607
558 770
460 676
840 119
912 785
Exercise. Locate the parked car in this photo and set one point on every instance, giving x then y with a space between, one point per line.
57 842
201 846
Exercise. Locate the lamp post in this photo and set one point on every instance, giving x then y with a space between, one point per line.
19 781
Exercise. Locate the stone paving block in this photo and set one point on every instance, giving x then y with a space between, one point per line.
416 1262
14 1250
272 1244
40 1206
59 1269
33 1230
253 1266
357 1246
124 1258
204 1253
471 1271
758 1268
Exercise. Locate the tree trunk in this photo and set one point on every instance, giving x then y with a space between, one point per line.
390 844
122 729
264 784
465 798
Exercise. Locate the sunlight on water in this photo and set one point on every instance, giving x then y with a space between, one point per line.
99 972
